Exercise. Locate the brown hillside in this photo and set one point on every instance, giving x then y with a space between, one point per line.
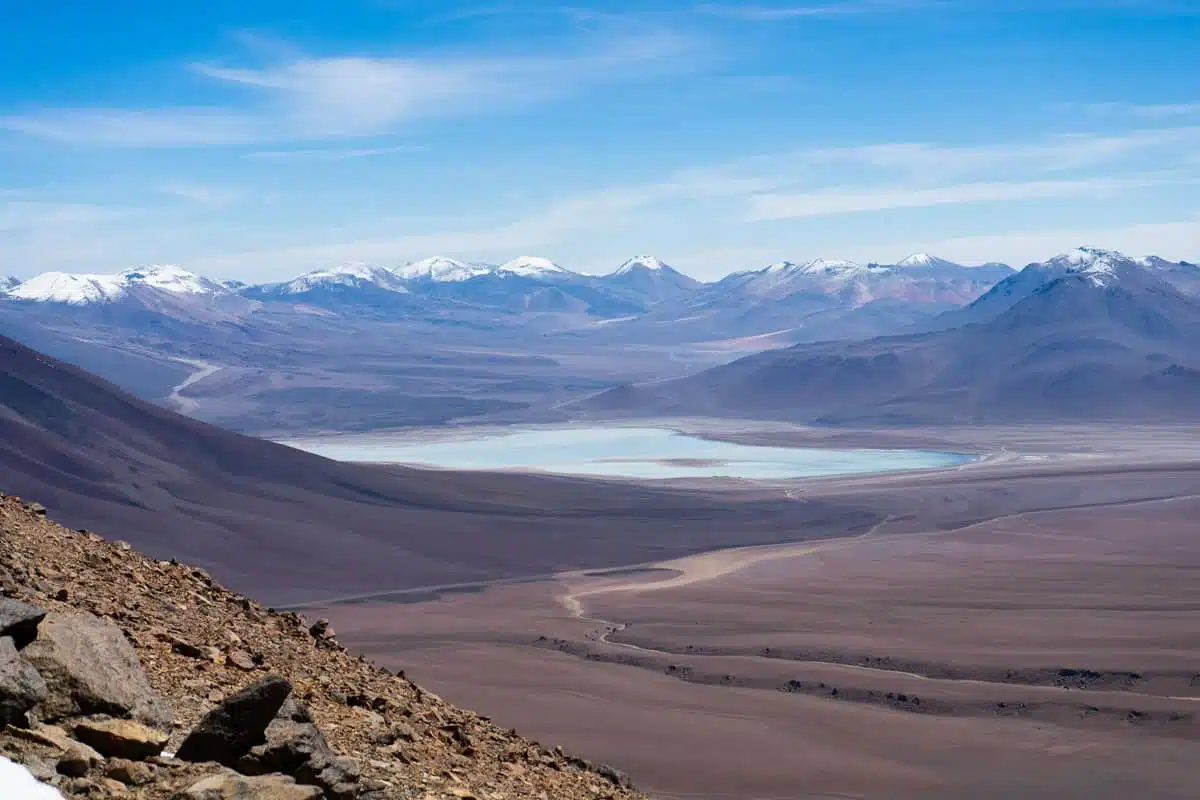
199 643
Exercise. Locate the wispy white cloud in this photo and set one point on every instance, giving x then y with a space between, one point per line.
331 153
348 96
830 202
929 161
753 13
1157 111
202 194
18 216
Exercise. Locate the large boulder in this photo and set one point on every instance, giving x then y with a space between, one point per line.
237 724
295 746
231 786
21 687
292 742
89 668
19 621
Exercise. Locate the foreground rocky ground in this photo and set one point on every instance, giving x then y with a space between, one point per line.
123 676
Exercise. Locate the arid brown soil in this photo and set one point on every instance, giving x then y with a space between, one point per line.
1036 654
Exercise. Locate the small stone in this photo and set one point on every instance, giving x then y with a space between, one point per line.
241 659
121 738
77 761
81 786
130 773
321 630
614 776
183 647
113 787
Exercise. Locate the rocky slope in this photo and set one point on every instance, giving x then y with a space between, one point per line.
125 676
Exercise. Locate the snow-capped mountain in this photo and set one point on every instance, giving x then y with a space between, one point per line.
1087 267
443 270
1087 335
354 274
640 263
7 282
1099 267
533 267
76 290
924 260
651 280
918 279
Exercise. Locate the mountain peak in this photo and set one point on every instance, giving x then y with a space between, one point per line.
84 289
7 282
350 273
829 266
442 269
1101 267
924 260
643 263
530 266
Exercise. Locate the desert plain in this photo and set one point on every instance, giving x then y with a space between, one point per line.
1027 625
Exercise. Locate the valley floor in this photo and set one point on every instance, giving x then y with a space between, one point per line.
1025 627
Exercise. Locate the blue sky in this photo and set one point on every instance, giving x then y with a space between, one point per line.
261 139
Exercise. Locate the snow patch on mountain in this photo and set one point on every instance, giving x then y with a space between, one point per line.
1100 267
83 289
925 260
442 269
7 282
531 267
351 274
830 267
642 263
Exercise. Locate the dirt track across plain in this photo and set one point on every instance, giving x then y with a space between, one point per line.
1014 631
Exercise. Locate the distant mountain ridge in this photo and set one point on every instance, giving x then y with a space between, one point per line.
1090 334
523 285
81 288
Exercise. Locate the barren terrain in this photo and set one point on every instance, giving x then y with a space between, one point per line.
1022 627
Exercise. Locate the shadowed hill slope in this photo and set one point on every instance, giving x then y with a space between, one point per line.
294 526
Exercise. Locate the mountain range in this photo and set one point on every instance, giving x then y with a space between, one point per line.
362 346
1087 335
640 282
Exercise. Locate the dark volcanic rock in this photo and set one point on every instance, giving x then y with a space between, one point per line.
89 668
238 724
339 777
19 621
292 742
21 687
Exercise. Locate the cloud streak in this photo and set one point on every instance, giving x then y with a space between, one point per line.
331 153
832 202
355 96
749 13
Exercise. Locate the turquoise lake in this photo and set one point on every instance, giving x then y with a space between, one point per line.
622 452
